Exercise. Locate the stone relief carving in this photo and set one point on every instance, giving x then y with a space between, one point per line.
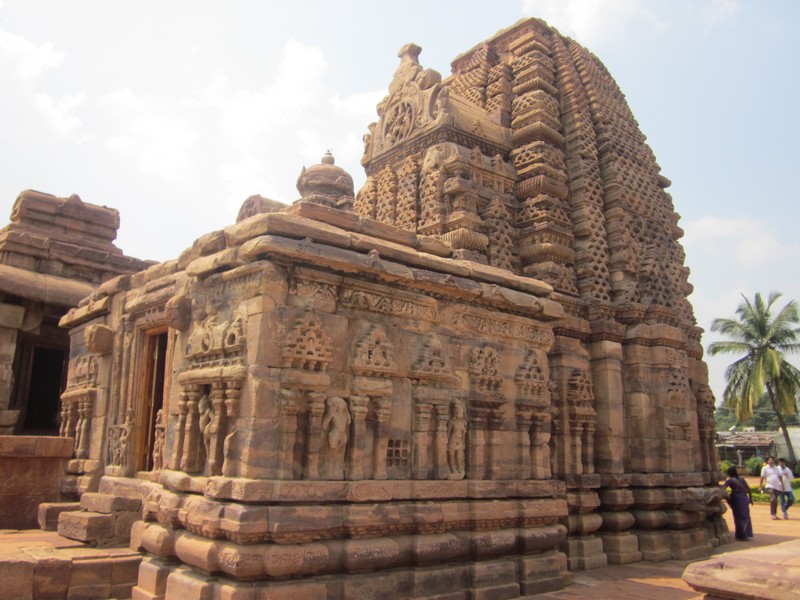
206 416
307 346
374 353
214 339
456 441
118 441
159 441
336 428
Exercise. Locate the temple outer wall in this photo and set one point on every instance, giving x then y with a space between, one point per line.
32 468
11 318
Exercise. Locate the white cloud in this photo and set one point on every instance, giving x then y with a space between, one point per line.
592 21
246 178
159 141
716 11
60 113
288 122
30 59
747 240
248 117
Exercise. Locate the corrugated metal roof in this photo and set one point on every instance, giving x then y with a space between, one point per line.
748 438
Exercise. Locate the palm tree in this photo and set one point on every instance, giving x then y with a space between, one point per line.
762 341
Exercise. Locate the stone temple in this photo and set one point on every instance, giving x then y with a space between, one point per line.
472 378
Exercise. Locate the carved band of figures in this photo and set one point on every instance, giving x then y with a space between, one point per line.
390 305
213 339
483 325
313 289
83 372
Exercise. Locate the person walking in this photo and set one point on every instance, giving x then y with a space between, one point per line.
771 483
787 494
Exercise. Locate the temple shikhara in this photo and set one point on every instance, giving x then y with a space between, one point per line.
470 378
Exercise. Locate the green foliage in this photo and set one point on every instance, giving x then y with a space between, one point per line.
724 418
796 483
753 465
725 465
761 338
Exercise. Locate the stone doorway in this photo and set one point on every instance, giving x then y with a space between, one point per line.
42 369
151 397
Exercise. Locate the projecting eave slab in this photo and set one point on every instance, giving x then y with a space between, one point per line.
49 289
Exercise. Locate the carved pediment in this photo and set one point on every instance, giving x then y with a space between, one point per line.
374 353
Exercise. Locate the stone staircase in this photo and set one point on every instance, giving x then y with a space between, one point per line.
82 549
104 520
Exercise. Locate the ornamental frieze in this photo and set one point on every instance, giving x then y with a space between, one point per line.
389 305
504 327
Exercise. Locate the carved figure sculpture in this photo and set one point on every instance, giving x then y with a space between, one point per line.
456 435
158 442
206 417
336 431
337 422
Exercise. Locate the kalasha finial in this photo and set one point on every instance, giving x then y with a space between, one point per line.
326 184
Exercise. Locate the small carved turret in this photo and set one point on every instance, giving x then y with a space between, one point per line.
326 184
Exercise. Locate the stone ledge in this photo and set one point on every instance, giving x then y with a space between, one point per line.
262 490
259 561
14 446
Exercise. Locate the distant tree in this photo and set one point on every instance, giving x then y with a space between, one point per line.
762 340
764 417
725 418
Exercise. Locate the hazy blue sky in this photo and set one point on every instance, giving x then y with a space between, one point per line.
175 112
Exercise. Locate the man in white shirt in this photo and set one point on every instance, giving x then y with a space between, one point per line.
787 496
774 485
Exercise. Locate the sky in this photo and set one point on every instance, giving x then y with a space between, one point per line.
175 112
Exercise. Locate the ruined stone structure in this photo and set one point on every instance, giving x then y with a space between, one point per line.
54 252
476 375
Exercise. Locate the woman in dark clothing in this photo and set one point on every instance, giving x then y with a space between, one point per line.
739 500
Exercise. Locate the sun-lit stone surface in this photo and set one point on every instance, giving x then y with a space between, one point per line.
475 375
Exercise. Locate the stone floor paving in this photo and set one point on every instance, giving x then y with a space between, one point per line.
36 564
662 581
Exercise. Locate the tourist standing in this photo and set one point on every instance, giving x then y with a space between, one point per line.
740 499
787 494
771 482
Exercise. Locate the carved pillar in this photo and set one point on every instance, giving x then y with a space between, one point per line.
81 415
476 439
422 419
493 423
587 448
190 461
609 444
217 429
232 392
441 470
64 425
576 431
540 447
83 427
524 422
383 413
289 407
316 408
358 410
183 410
